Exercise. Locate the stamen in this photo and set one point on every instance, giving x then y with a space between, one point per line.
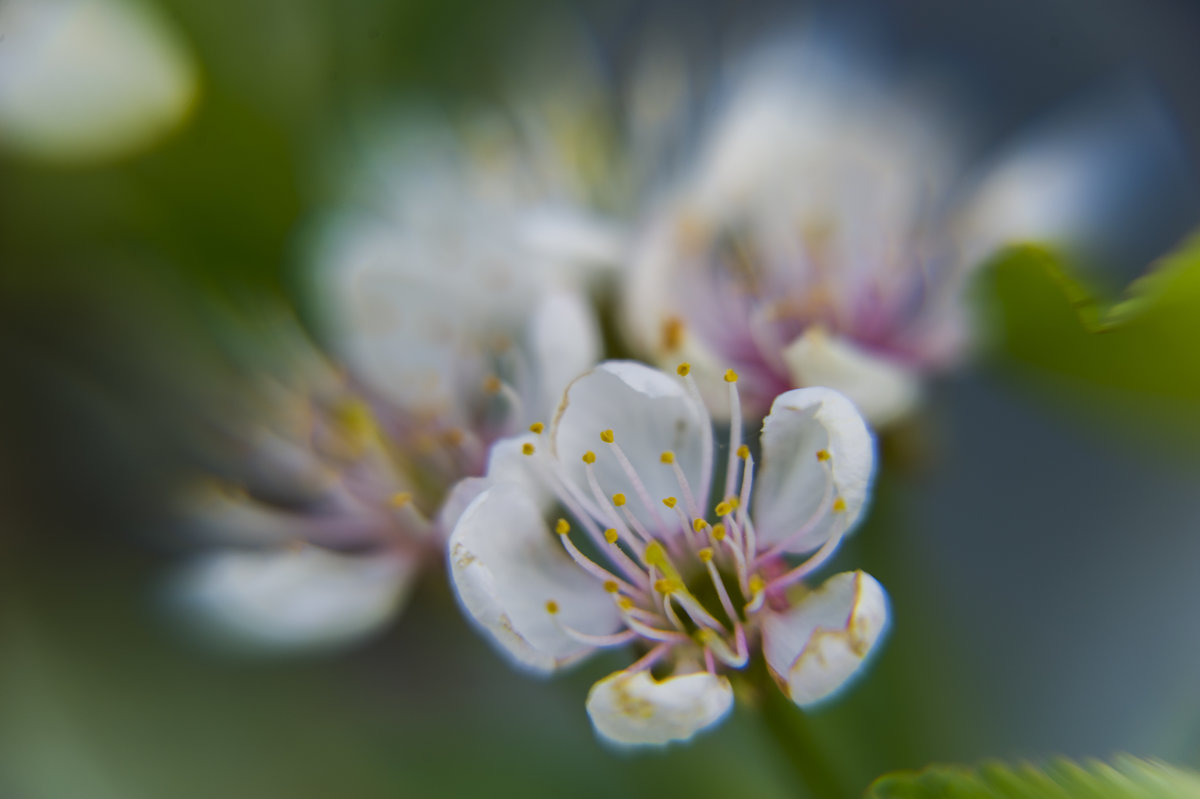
618 500
589 457
527 448
706 440
809 566
599 641
537 428
649 659
596 570
719 584
689 498
758 594
743 506
735 431
638 486
716 644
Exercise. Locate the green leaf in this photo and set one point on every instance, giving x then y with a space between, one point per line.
1138 355
1125 778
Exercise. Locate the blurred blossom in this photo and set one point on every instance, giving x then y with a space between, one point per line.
825 231
630 457
319 539
90 79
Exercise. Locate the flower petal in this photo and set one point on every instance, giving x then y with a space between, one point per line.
506 566
634 708
284 599
818 460
649 413
884 390
565 342
820 643
90 79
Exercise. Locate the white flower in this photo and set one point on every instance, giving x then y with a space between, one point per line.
90 79
693 586
824 233
317 538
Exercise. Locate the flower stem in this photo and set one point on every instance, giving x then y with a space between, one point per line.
792 733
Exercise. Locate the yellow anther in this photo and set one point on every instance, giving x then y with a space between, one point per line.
610 535
537 427
724 509
698 525
492 385
655 555
562 527
667 585
705 554
607 436
625 603
611 586
734 502
823 455
618 499
730 376
672 333
839 505
667 457
401 498
757 583
551 607
683 369
589 457
669 501
705 636
718 532
743 452
527 448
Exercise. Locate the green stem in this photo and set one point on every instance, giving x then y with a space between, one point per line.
789 728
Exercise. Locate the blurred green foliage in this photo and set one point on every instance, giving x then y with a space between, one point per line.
1126 778
1133 361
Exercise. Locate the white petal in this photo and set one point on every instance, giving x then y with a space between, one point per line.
572 238
634 708
86 79
884 390
506 565
294 599
793 490
819 644
458 500
565 342
649 413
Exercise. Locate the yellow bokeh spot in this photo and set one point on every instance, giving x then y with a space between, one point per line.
551 607
562 527
401 498
589 457
618 499
730 376
625 603
611 586
537 427
734 502
492 385
757 583
667 457
607 436
683 369
706 554
527 448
